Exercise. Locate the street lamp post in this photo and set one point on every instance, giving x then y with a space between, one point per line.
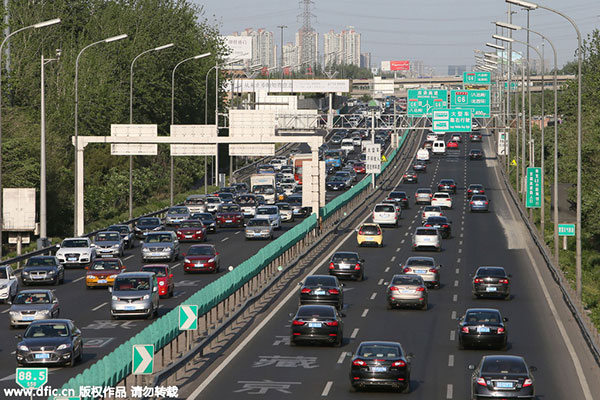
78 222
166 46
34 26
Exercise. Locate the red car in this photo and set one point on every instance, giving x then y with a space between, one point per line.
359 168
164 277
191 230
202 258
452 144
230 215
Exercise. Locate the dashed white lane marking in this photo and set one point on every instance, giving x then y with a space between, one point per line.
327 388
364 313
453 315
449 391
397 249
459 251
460 242
451 360
128 257
387 269
405 233
402 241
99 307
455 283
354 333
452 335
373 295
225 239
380 282
342 356
79 279
393 259
176 265
237 233
455 298
457 270
458 260
461 235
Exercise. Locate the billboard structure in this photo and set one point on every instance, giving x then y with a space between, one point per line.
135 130
18 214
241 47
194 131
289 85
387 66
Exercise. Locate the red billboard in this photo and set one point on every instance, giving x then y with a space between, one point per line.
400 65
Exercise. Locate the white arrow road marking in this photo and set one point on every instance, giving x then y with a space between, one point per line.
190 317
146 359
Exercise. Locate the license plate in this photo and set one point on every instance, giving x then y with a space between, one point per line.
483 329
155 255
426 239
72 259
188 236
490 289
42 356
478 203
228 221
27 318
344 266
421 271
378 369
38 277
504 384
129 308
101 280
199 265
407 291
319 292
315 324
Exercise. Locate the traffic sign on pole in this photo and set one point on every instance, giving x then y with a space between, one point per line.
188 317
534 187
481 78
31 378
423 101
454 120
142 359
373 158
566 229
503 143
476 100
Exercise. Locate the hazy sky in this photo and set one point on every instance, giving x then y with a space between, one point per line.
436 32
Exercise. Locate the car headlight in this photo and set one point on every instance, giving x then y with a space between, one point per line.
2 287
116 246
156 229
265 231
13 313
44 312
211 260
25 273
167 249
137 229
64 346
187 261
52 272
146 297
112 276
23 348
145 249
115 298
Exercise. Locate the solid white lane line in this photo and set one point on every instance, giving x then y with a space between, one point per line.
455 298
99 307
342 356
387 269
449 391
128 257
364 313
380 282
452 335
225 238
237 233
5 311
79 279
451 360
354 333
373 295
327 388
455 283
393 259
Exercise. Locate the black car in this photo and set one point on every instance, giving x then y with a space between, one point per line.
447 186
321 289
475 154
317 323
241 187
442 224
207 219
126 234
380 364
147 224
336 182
50 341
491 282
475 188
482 327
347 264
410 177
336 139
42 269
295 201
502 377
400 197
420 166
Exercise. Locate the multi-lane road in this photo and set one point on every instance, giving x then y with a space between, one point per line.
263 365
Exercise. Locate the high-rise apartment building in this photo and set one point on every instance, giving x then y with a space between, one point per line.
365 60
264 50
342 48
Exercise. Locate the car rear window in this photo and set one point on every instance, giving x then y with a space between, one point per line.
342 257
482 317
479 197
316 311
491 272
407 280
320 281
384 208
426 232
424 191
503 366
378 351
420 261
441 195
432 208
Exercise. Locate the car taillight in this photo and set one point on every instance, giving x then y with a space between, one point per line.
528 382
357 267
430 195
305 290
420 289
331 265
394 288
428 225
298 323
486 203
359 363
452 186
500 330
481 381
423 215
399 363
478 280
405 199
469 191
464 329
503 281
432 270
379 232
407 269
333 291
360 232
332 323
445 226
471 203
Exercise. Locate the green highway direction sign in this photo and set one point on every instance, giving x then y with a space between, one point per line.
477 100
566 229
478 78
188 317
31 378
453 120
513 85
142 359
423 101
534 187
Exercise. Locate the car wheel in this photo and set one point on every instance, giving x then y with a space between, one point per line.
150 315
56 281
360 277
339 341
389 306
293 342
71 362
406 388
507 297
24 283
424 306
172 292
461 345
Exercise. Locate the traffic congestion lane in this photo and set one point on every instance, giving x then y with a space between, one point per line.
440 371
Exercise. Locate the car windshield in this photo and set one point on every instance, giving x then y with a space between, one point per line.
263 189
75 243
165 238
384 208
246 200
194 201
407 280
316 311
148 221
177 210
108 237
420 262
320 281
423 191
491 272
201 251
426 232
103 265
213 200
40 261
230 208
191 224
482 317
378 351
47 330
3 274
120 229
503 366
345 257
266 211
158 271
446 182
32 298
284 206
258 222
141 283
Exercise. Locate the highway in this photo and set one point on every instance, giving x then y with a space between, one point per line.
540 327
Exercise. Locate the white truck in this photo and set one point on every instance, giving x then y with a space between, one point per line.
263 184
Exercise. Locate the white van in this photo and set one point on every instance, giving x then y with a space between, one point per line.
347 145
423 155
438 147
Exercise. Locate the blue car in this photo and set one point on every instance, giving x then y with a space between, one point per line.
479 202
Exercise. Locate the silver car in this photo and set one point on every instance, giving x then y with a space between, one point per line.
177 214
407 290
427 238
134 294
109 244
423 196
213 204
385 214
32 305
271 214
286 212
431 211
425 267
258 228
160 246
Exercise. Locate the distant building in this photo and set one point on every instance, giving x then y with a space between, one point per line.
308 48
264 51
456 70
342 48
417 69
291 56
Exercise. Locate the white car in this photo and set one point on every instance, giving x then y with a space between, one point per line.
385 214
357 141
77 252
431 211
271 213
427 238
285 211
423 155
456 137
288 188
9 286
347 145
441 199
213 204
431 136
438 147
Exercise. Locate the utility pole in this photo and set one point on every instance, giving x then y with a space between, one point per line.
282 27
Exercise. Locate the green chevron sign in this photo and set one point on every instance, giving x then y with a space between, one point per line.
143 359
188 317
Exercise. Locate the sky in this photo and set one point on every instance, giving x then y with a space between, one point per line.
437 32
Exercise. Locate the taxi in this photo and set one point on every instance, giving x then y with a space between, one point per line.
102 272
369 234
